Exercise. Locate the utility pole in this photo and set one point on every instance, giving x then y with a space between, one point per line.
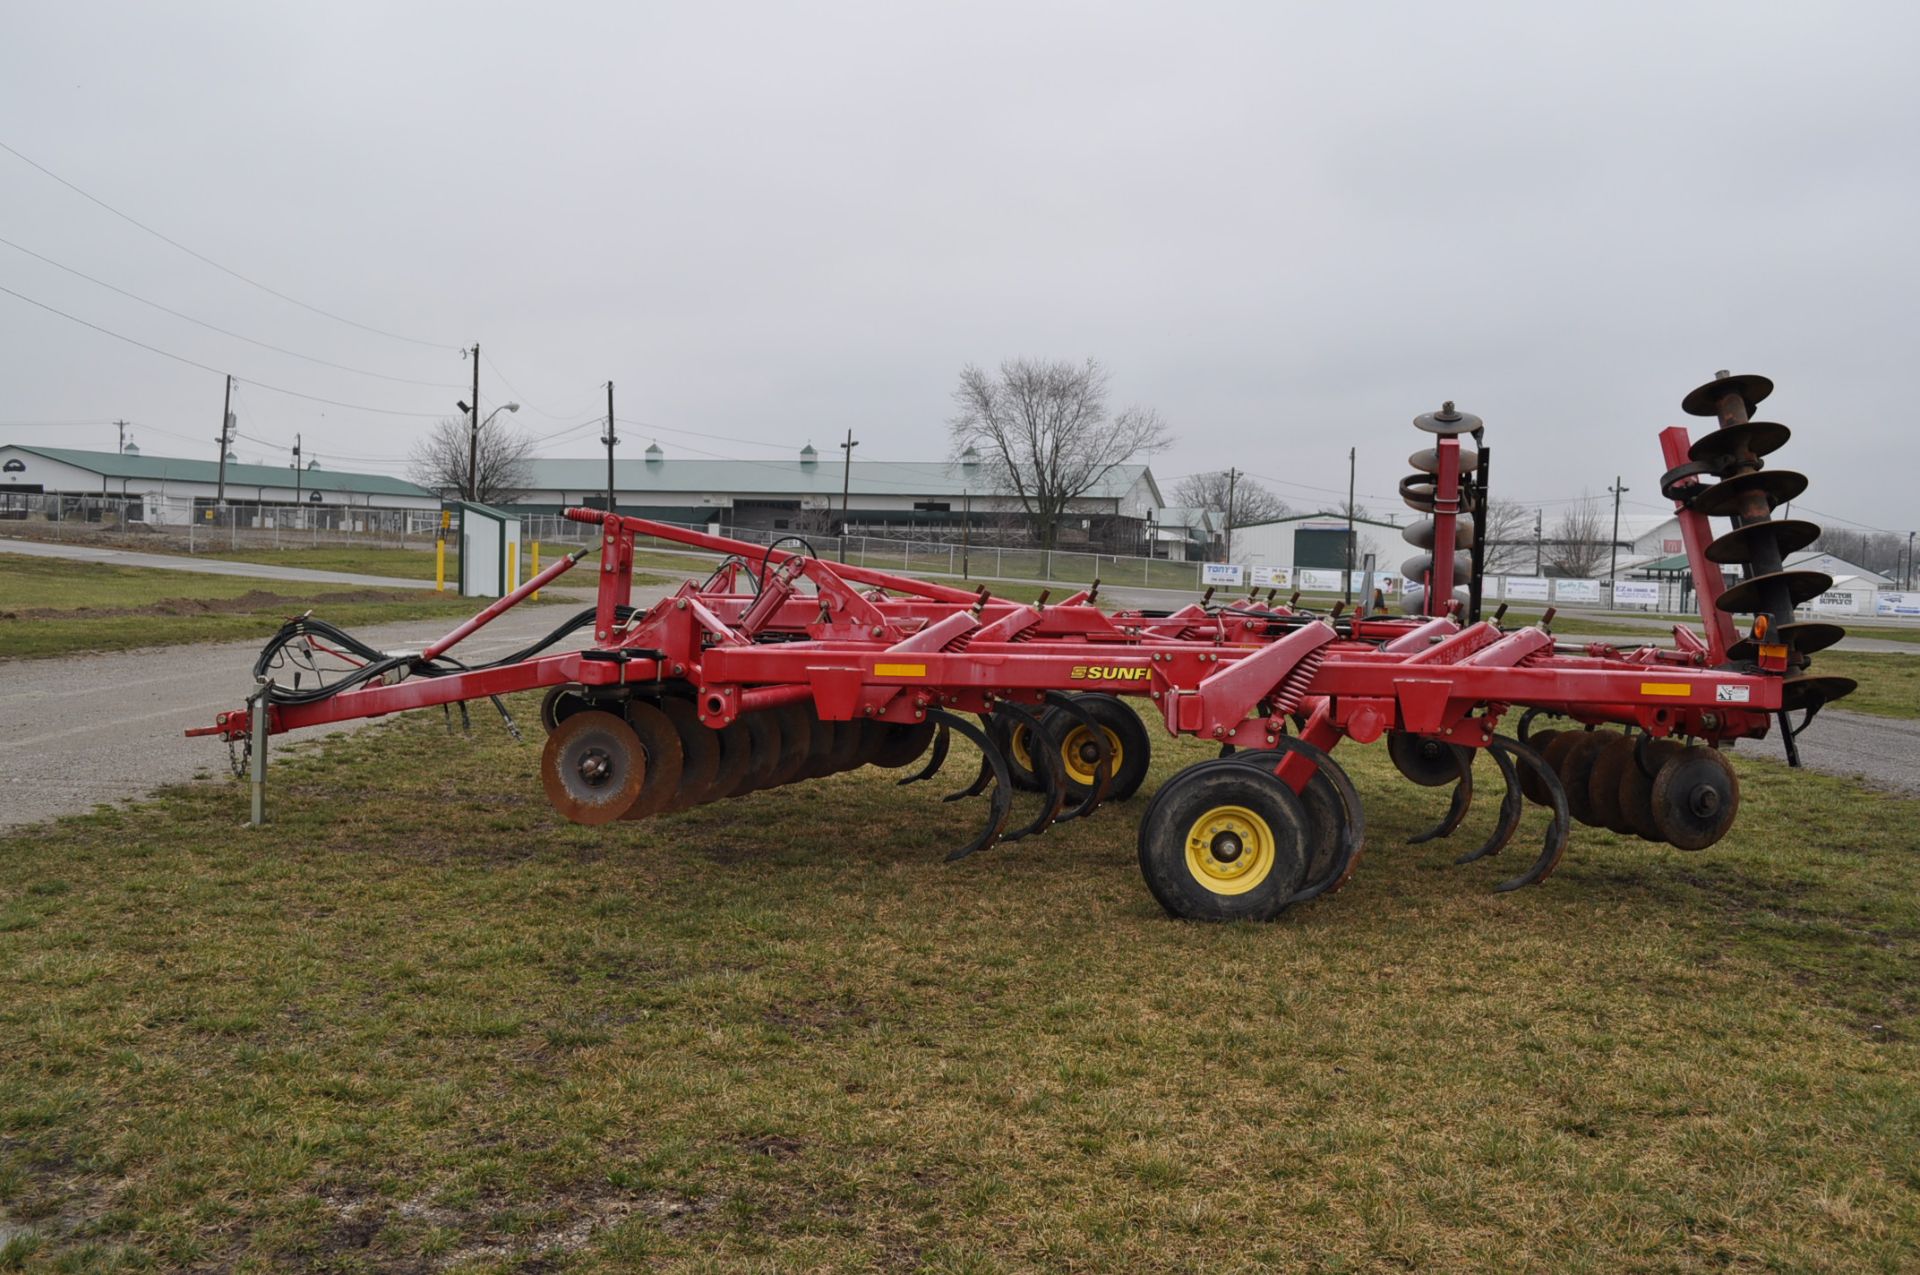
226 428
473 433
123 436
1907 581
1233 479
610 440
297 477
1613 546
846 486
966 530
1538 543
1347 588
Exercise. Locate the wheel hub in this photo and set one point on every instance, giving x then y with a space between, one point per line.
595 766
1226 847
1230 849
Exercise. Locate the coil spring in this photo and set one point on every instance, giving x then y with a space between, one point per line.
1293 687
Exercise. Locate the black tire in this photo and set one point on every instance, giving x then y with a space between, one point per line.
1224 841
1326 817
1126 735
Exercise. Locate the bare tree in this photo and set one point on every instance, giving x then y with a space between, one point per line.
1509 534
1577 548
1251 502
505 462
1043 432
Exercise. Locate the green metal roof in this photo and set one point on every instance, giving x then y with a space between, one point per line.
792 477
116 466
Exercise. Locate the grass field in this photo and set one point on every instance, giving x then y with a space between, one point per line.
51 606
1889 681
418 1023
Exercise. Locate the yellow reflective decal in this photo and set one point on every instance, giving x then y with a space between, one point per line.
1666 688
899 670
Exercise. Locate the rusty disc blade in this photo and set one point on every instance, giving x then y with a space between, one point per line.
796 742
768 749
1603 783
1723 499
1802 586
736 760
1705 401
821 741
1724 446
666 759
1532 787
592 767
902 745
1790 535
1576 768
1635 796
847 739
1695 798
1431 763
699 753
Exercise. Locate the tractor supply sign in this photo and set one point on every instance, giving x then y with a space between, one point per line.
1844 601
1229 574
1896 604
1636 593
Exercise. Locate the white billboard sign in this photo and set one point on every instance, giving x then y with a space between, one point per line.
1839 602
1636 593
1527 589
1319 581
1577 591
1896 603
1273 577
1227 574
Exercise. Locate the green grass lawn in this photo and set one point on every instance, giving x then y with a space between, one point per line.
1889 681
419 1023
53 606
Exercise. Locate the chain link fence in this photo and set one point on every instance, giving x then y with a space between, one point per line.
198 525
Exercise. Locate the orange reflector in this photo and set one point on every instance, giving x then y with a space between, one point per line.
1760 626
1773 658
899 670
1666 688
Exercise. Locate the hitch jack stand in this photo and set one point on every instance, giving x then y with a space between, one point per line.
258 737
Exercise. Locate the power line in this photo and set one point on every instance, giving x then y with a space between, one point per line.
181 358
522 398
337 318
277 349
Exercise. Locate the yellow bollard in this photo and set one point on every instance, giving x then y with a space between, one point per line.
513 571
535 595
440 565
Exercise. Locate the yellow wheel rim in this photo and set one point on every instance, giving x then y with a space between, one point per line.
1017 745
1230 850
1079 756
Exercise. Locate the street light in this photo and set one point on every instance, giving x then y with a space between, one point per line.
473 442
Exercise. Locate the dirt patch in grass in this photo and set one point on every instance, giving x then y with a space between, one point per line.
252 600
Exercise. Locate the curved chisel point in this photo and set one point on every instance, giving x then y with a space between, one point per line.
994 763
1513 804
1457 806
1555 843
936 758
985 775
1046 767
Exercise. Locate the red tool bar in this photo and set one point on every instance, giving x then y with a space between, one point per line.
726 544
1696 532
513 599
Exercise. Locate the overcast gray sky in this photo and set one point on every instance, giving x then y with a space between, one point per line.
1290 228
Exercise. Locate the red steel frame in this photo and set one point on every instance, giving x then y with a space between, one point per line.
1231 673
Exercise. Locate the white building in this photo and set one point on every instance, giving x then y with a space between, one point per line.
1318 542
170 490
923 499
